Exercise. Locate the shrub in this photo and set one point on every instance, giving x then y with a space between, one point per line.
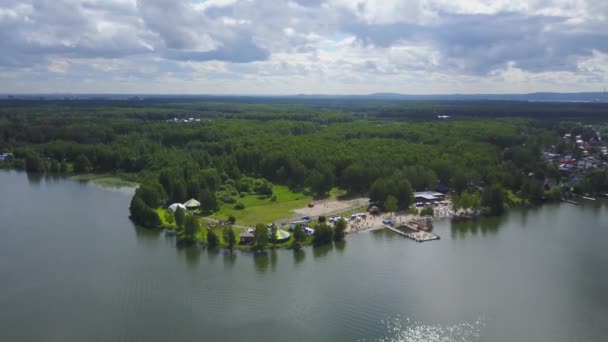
239 206
323 235
227 199
427 211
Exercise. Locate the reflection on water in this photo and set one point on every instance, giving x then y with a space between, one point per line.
273 259
321 251
340 245
407 330
193 256
261 261
212 253
146 234
229 259
483 226
298 256
34 178
383 234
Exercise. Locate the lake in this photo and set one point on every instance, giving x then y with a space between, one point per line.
74 268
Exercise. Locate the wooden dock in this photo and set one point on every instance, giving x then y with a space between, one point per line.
416 235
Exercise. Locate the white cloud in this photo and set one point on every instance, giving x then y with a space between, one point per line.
294 46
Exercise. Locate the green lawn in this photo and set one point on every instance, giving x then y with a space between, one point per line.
264 210
166 217
201 235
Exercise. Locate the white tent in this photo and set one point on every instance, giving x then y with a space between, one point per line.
192 203
173 207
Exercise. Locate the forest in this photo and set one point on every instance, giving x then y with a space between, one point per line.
486 153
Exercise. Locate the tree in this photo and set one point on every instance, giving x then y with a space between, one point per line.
405 193
142 214
191 227
321 181
63 168
260 236
554 194
55 167
180 217
231 219
82 164
298 233
493 198
390 204
152 194
379 190
532 189
212 240
272 232
33 162
179 192
323 235
340 228
193 189
229 237
208 201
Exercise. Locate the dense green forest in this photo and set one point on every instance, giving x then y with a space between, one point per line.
220 151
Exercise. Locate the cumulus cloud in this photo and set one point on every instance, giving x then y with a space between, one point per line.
294 46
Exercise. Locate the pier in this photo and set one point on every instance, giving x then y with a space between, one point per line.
416 235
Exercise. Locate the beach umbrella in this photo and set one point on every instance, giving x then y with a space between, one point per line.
192 203
173 207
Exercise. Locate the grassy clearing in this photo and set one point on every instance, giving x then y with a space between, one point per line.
259 210
336 193
105 180
166 217
168 222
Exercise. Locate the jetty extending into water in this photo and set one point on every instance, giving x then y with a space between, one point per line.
416 235
570 201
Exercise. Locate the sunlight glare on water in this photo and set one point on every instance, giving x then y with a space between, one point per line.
407 330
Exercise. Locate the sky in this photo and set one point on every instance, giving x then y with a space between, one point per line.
303 46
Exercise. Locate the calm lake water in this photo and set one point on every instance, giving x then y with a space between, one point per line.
74 268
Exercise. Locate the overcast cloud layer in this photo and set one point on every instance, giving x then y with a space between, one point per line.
303 46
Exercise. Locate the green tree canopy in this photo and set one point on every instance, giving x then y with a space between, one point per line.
340 229
261 236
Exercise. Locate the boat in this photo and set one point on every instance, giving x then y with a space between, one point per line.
570 201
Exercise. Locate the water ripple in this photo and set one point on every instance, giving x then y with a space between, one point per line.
408 330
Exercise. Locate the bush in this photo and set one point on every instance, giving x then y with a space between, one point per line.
231 219
427 211
239 206
323 235
228 199
243 194
273 198
212 239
